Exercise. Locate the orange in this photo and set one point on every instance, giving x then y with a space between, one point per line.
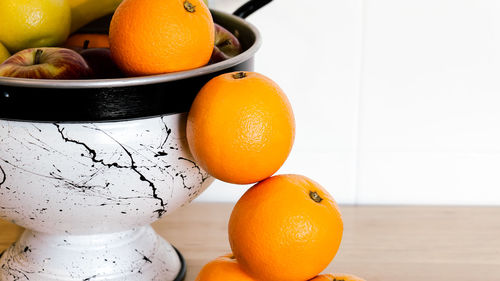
337 277
286 227
223 268
158 36
96 40
240 127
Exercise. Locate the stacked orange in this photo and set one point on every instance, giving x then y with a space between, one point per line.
241 127
241 130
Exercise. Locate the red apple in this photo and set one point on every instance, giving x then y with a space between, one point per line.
101 63
226 45
45 63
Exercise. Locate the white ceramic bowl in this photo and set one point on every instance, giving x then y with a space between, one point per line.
86 188
87 192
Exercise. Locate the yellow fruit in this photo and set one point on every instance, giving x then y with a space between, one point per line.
4 53
85 11
33 23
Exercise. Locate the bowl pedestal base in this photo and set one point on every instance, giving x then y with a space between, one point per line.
136 255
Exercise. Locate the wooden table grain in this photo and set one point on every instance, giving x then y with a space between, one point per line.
381 243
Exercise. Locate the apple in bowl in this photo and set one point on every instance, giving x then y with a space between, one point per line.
101 63
45 63
226 45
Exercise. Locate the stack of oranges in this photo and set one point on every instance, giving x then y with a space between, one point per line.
241 129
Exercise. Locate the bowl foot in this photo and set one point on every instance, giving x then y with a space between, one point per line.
135 255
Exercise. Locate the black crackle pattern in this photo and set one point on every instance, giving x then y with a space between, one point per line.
118 257
52 172
18 253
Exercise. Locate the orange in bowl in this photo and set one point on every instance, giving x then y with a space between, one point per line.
95 40
160 36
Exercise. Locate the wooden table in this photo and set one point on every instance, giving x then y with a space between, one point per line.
380 243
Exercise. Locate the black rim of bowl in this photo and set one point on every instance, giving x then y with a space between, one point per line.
97 100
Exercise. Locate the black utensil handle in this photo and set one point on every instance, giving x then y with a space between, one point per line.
250 7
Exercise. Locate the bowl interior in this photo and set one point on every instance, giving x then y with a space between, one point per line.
121 98
245 35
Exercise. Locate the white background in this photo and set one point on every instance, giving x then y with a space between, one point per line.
396 101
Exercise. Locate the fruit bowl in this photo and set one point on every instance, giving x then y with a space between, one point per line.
121 98
87 165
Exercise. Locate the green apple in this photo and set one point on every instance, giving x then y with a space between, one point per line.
4 53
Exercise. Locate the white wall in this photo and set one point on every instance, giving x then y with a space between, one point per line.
396 101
